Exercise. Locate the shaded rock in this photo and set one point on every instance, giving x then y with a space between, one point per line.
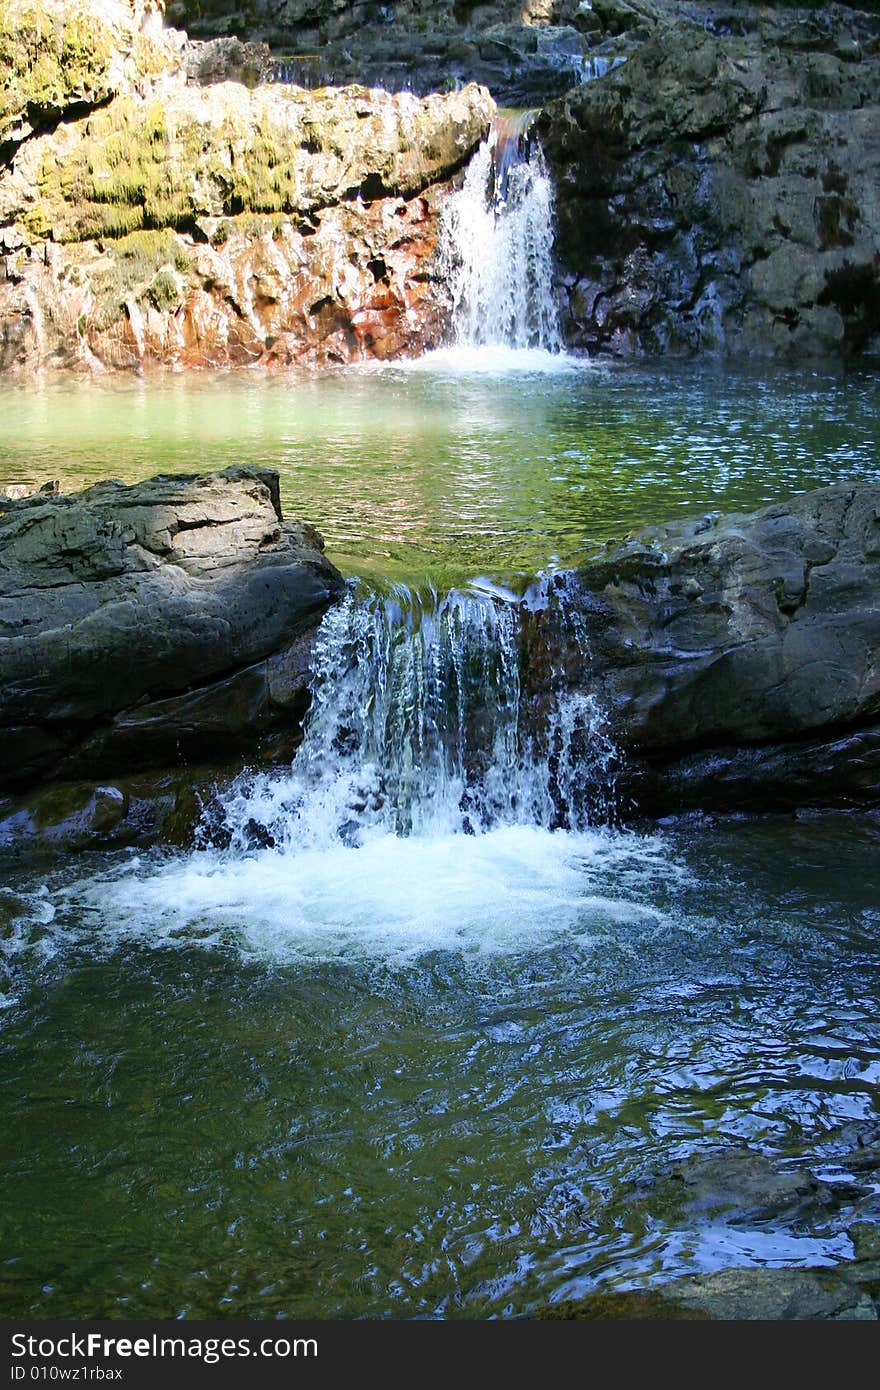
137 810
841 770
137 623
525 53
741 650
718 191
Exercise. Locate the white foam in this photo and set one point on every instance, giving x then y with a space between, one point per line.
495 359
510 890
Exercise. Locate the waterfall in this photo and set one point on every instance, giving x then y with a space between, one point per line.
496 244
427 718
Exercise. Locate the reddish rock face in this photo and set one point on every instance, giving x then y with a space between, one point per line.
354 283
217 227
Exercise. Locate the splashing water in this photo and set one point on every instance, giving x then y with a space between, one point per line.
425 721
443 752
496 245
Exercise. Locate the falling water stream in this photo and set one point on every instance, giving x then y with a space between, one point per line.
497 244
417 1028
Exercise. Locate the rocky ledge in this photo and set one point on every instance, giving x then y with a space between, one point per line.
524 51
147 221
719 190
153 625
738 657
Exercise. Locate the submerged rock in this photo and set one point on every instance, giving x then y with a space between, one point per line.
732 1294
719 191
140 809
732 1198
141 625
737 656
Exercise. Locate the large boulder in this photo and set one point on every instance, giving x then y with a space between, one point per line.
720 190
144 624
738 658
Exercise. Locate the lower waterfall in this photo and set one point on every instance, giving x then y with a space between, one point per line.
427 719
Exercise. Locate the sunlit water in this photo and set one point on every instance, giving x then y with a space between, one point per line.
436 473
414 1032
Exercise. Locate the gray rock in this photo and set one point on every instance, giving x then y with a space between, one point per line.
740 656
138 624
227 60
742 1182
719 191
766 1295
773 1295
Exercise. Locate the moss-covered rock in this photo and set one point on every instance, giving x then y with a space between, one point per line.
189 153
58 55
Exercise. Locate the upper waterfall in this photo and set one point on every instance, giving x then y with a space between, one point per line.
496 243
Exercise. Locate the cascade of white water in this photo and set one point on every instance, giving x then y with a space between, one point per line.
496 244
421 723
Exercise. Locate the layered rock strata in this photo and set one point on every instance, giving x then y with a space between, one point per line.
147 625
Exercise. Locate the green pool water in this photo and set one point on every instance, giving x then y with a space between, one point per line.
439 476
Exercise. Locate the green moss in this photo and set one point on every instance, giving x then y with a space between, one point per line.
48 66
256 224
138 267
163 293
135 167
140 165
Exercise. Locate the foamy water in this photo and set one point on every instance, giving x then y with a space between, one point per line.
515 889
496 359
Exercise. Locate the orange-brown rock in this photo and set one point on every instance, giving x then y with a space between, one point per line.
224 227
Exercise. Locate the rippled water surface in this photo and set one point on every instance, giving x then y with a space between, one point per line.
308 1091
382 1066
434 472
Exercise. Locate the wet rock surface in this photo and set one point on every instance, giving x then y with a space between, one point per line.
759 1295
719 191
148 624
737 656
